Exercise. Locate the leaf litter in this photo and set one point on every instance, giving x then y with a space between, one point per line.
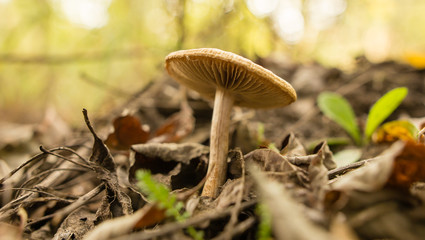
90 192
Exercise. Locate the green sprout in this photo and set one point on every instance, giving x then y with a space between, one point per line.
161 195
338 109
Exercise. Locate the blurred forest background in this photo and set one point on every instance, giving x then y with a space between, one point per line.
94 54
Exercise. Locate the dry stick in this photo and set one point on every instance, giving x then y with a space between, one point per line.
47 172
61 214
174 226
77 57
30 190
48 199
338 171
71 151
60 164
36 157
67 159
56 177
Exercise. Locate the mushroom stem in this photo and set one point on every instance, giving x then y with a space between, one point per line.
219 142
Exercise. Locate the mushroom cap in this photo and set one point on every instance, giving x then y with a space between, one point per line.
206 69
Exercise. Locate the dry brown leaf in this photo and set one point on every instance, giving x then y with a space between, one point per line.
176 127
163 157
291 146
152 216
399 167
395 130
408 166
182 165
127 131
289 219
277 165
146 216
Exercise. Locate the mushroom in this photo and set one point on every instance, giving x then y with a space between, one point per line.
230 80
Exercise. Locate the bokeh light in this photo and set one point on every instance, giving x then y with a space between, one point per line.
88 14
262 8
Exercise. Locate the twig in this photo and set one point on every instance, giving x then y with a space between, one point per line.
54 178
71 58
30 190
174 226
47 172
341 170
36 157
65 158
71 151
61 214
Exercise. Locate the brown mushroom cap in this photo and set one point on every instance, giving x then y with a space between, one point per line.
251 85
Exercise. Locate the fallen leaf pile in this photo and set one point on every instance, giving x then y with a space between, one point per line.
89 190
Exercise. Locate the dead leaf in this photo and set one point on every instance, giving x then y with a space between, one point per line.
289 220
146 216
291 146
100 155
116 202
127 131
175 165
398 167
322 149
408 166
163 157
152 216
318 176
176 127
371 176
395 130
278 166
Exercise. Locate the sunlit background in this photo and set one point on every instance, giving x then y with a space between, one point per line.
70 54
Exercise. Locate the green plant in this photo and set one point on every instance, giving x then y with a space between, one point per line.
161 195
337 108
264 231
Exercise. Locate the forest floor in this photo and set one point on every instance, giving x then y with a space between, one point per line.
287 177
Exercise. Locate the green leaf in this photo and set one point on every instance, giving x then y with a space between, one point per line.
383 108
337 108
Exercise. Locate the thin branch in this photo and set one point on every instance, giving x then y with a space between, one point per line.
36 157
71 58
48 172
341 170
174 226
65 158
